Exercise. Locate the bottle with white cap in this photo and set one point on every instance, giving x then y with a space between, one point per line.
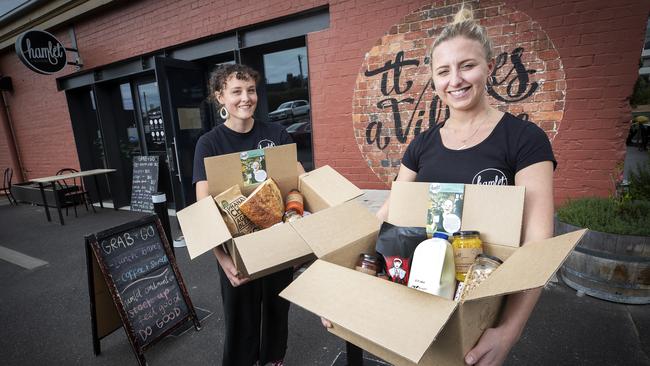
433 269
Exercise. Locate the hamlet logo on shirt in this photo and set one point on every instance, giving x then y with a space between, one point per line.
266 143
491 177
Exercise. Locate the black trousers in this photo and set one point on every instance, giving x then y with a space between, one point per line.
256 319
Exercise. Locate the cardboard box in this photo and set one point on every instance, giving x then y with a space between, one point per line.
409 327
278 247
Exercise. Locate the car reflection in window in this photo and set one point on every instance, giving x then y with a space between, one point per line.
290 112
300 133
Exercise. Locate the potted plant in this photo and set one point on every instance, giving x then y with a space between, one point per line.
612 261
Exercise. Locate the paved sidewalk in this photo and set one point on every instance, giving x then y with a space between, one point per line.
45 318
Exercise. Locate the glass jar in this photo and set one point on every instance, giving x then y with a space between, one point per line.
291 216
467 245
367 263
294 202
482 268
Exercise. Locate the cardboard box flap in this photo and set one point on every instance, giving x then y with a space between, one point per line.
224 171
486 208
408 203
331 229
202 226
530 266
279 244
392 316
325 187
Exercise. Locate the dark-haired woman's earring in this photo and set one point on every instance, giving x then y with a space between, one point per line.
223 113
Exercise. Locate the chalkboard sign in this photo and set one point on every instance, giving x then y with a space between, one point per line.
145 182
143 280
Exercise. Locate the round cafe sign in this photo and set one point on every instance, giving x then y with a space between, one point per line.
41 52
394 99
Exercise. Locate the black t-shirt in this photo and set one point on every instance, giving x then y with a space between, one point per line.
513 145
222 140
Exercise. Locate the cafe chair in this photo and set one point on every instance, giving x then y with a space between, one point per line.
6 186
75 192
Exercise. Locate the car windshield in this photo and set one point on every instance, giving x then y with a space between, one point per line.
285 105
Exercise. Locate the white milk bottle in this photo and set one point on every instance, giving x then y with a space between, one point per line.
433 269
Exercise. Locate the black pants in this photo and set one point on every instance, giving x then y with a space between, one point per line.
256 319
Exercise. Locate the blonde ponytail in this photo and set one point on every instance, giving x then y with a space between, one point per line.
464 25
464 14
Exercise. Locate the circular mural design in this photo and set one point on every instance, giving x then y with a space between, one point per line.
393 98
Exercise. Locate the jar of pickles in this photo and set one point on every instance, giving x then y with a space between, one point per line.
482 268
467 245
367 263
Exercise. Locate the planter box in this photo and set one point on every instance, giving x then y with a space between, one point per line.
608 266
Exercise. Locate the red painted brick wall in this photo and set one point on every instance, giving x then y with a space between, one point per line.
40 113
599 43
40 118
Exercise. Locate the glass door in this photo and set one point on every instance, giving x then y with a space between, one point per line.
152 130
181 85
283 96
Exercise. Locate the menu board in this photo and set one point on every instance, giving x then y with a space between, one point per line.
145 182
143 280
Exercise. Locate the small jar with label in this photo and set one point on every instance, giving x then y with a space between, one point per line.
294 202
482 268
467 245
367 263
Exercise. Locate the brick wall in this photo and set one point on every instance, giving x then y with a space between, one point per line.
598 43
40 113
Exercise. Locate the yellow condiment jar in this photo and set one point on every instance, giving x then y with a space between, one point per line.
467 246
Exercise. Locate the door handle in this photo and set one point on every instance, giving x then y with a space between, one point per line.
178 167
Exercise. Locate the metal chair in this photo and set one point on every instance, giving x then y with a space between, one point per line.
6 186
76 193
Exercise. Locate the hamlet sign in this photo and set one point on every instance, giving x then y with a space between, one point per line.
41 52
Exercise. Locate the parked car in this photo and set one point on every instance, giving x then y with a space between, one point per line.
290 110
300 133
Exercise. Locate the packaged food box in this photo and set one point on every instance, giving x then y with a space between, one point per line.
405 326
270 250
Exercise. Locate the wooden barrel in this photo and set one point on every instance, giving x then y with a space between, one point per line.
608 266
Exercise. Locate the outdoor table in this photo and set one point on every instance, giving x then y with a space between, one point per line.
52 179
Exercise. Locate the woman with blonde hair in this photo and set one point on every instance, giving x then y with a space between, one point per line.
479 144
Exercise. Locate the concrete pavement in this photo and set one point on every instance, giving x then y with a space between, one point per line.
45 315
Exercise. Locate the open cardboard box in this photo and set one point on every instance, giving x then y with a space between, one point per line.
278 247
409 327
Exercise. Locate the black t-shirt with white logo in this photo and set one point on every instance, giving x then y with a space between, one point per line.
513 145
222 140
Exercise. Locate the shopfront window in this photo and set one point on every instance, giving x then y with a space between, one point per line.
287 88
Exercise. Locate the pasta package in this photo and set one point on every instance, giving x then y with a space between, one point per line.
264 207
229 203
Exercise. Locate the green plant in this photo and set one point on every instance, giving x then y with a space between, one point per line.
608 215
639 182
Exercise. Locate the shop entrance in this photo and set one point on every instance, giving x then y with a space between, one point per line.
183 89
164 110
